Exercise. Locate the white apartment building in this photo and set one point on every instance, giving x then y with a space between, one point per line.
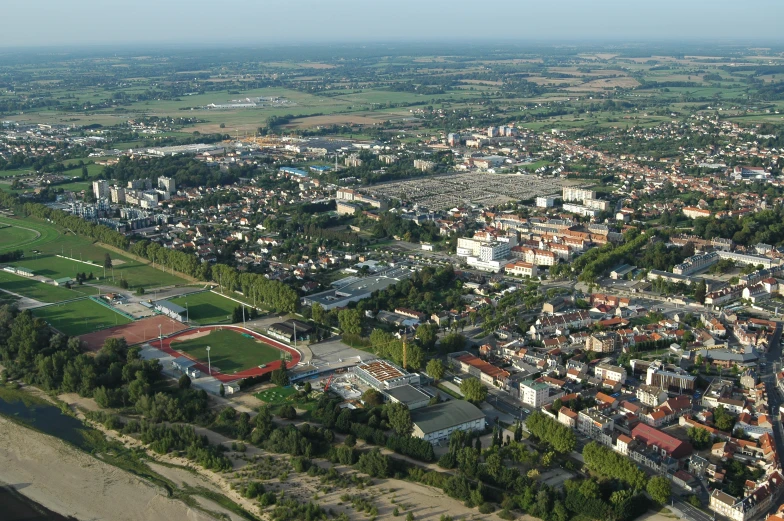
580 210
577 194
610 372
545 202
537 394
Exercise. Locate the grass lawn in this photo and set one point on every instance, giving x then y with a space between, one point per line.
275 395
57 241
229 351
41 291
207 307
80 317
13 237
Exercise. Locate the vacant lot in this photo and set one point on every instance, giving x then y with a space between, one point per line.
80 317
207 307
230 351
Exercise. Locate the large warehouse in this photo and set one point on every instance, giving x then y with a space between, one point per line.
436 423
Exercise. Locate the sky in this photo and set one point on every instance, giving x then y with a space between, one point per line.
35 23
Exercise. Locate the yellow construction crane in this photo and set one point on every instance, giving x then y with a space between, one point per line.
405 350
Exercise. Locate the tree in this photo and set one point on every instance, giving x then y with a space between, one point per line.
435 368
426 333
184 382
700 438
473 390
308 388
222 390
350 321
317 313
723 420
372 398
287 411
700 291
107 261
399 418
452 342
140 291
280 376
659 489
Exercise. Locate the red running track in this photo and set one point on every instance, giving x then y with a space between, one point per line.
255 371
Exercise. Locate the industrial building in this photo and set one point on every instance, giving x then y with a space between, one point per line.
408 395
438 422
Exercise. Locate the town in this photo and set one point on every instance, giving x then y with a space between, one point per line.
535 316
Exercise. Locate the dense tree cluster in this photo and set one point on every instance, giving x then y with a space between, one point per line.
185 170
182 438
606 462
596 261
560 437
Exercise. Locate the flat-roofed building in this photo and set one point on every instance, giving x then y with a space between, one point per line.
437 422
408 395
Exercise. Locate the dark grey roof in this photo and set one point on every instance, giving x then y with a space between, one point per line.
407 394
183 363
174 308
445 415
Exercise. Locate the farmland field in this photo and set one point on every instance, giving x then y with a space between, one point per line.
80 317
230 351
207 307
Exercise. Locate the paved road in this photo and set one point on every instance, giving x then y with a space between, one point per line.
689 512
775 398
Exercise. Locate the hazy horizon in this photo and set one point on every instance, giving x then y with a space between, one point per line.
90 23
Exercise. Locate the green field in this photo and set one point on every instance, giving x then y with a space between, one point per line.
207 307
55 241
11 236
41 291
275 395
80 317
229 351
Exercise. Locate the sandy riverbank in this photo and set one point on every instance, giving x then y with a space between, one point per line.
70 482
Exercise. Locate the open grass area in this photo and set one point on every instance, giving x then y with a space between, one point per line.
207 307
80 317
14 237
230 351
57 241
275 395
41 291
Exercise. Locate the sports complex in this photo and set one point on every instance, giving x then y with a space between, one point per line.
235 352
43 280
